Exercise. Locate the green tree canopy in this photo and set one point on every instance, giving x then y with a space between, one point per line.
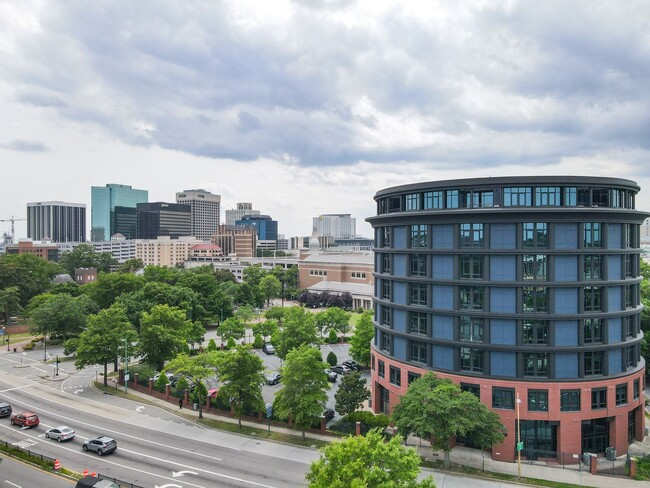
338 319
351 394
365 462
163 334
196 369
275 313
298 329
103 339
305 386
232 328
62 315
437 409
29 273
254 274
364 332
270 287
84 256
224 276
72 289
130 266
241 376
110 286
161 274
9 302
266 328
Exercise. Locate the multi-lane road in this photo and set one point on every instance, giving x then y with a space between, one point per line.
155 447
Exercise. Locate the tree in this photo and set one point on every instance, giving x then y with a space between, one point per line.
322 322
254 274
62 315
232 328
332 359
305 386
163 333
338 319
10 302
298 329
275 313
437 409
364 332
72 289
196 334
351 394
245 313
266 328
645 313
212 345
84 256
224 276
246 294
161 382
269 287
103 339
241 376
109 286
31 274
367 461
332 337
130 266
161 274
196 369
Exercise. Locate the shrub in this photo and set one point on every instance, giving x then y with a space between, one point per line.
182 383
369 419
161 383
144 371
643 469
333 337
332 359
212 346
28 346
231 343
258 342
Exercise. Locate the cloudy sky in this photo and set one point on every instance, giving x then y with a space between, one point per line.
310 107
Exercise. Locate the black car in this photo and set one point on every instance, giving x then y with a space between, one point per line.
340 369
353 365
273 378
94 482
5 409
328 414
331 375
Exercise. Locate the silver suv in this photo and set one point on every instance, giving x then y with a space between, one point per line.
101 445
5 409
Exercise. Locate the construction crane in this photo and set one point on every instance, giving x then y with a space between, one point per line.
13 231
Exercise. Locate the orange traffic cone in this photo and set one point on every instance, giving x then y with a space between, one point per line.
57 465
93 474
84 473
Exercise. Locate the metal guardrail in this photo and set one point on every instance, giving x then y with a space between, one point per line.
33 454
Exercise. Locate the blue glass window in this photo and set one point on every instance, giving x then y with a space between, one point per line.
547 196
452 199
433 199
517 197
412 202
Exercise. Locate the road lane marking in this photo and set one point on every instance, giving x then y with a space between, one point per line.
15 388
13 484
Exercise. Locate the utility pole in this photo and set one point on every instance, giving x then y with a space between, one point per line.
126 366
519 446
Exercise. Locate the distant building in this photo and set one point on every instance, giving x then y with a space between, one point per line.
46 250
236 240
645 233
206 212
165 251
119 246
338 226
163 219
265 226
85 275
56 221
245 208
205 252
283 243
113 211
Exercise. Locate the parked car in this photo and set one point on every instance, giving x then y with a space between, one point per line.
94 482
25 419
331 375
273 378
328 414
340 369
268 349
62 433
101 445
5 409
353 365
170 377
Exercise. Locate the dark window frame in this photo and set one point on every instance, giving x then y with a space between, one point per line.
570 400
598 398
621 394
472 266
395 376
503 398
538 400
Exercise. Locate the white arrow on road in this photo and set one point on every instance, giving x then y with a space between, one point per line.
169 485
76 392
175 474
139 409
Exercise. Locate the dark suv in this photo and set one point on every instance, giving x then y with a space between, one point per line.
5 409
101 445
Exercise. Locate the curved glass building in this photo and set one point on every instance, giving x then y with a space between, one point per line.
516 288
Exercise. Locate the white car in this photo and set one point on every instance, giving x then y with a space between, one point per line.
62 433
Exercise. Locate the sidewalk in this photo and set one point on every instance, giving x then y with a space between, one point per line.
461 455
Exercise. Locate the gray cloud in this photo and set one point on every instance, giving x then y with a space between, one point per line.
24 146
337 82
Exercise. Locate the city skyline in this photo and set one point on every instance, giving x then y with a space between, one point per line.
310 108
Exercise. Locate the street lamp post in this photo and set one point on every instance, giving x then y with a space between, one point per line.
45 346
126 365
518 439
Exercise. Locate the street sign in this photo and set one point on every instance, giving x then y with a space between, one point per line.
2 332
269 410
520 446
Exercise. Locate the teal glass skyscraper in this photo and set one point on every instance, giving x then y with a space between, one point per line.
113 211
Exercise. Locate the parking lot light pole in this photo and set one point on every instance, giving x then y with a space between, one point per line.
126 365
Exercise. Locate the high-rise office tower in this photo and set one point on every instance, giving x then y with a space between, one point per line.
206 211
523 291
113 211
163 219
265 226
56 221
337 226
242 209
